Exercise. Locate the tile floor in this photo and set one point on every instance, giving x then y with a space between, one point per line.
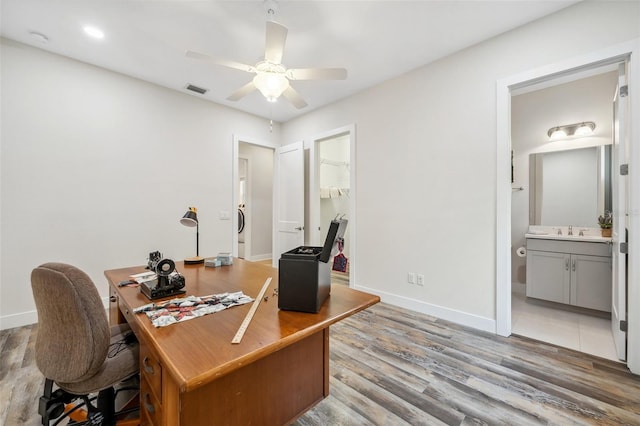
572 330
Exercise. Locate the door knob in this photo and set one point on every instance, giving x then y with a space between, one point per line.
299 228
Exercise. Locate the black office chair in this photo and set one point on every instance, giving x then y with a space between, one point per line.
76 349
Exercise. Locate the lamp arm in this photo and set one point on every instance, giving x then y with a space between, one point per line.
197 240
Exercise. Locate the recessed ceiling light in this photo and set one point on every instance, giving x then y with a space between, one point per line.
93 32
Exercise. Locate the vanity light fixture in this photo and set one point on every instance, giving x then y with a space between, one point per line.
585 128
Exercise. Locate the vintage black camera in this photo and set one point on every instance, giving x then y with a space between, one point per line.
168 282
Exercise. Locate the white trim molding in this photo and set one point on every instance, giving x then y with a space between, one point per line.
448 314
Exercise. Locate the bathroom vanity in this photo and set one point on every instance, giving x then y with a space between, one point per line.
570 270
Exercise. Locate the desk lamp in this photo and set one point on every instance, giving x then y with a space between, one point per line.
190 219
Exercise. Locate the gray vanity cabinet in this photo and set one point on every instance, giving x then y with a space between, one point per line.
572 272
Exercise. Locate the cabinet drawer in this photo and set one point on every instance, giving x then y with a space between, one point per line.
150 407
575 247
151 370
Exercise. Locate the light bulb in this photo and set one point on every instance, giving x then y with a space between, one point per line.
584 130
558 133
271 84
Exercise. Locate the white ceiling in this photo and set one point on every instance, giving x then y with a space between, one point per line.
373 40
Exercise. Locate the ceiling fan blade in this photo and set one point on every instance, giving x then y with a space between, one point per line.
242 92
219 61
275 40
294 97
317 74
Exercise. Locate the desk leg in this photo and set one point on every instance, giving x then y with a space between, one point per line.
115 316
325 334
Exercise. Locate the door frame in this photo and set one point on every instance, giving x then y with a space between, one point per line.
314 191
613 54
235 149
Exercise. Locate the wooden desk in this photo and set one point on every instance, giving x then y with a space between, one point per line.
191 374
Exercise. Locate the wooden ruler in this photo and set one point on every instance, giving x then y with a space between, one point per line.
243 327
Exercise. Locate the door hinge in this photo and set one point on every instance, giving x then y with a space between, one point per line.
624 91
624 248
624 169
624 326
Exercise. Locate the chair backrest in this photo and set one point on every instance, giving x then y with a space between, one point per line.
73 331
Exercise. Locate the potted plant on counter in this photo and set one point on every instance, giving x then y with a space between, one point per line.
605 221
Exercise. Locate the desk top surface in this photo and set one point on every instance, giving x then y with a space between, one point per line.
199 350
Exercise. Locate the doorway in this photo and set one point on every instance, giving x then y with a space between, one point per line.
571 191
253 198
612 55
332 193
335 186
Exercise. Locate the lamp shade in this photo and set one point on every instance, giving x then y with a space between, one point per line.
190 218
271 84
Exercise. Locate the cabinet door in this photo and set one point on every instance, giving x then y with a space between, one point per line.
591 282
548 276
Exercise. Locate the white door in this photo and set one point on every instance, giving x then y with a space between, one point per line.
289 208
620 209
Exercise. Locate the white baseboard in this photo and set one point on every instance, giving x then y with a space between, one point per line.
18 320
260 257
31 317
458 317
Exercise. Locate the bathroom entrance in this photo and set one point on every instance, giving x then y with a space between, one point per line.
563 185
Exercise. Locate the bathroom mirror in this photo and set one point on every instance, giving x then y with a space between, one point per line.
571 187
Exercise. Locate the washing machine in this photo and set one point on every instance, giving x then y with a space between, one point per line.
241 223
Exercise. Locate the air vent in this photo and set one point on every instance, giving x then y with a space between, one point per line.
196 89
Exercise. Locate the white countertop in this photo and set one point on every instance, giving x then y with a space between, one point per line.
587 238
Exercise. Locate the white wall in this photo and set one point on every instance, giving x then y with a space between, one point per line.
97 168
427 142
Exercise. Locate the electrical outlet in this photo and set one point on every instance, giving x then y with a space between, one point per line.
411 278
420 279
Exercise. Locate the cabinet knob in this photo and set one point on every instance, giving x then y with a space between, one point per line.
113 299
147 403
147 366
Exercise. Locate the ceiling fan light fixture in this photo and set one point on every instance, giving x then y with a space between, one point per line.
271 84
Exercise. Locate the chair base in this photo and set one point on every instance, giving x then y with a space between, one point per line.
55 405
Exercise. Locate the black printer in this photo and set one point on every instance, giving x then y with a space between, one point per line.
304 275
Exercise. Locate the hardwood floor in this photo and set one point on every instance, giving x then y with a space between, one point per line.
390 366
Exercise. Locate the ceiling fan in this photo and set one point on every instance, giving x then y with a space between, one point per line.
271 76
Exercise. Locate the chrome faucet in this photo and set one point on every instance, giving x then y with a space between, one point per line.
570 230
559 231
582 232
